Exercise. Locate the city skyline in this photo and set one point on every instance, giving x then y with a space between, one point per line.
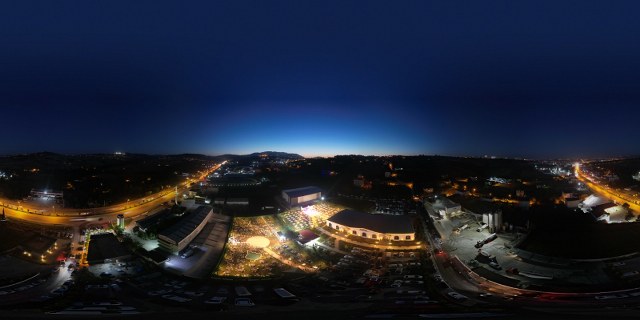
421 78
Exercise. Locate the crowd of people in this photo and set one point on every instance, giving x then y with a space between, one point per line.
241 259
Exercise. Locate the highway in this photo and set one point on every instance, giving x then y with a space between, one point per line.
613 194
72 217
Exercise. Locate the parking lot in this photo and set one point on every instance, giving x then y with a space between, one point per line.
499 260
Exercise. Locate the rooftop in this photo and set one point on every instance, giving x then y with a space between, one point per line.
156 255
154 219
305 236
445 203
299 192
105 246
374 222
186 225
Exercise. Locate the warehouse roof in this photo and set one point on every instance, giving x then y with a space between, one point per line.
186 225
299 192
374 222
154 219
105 246
446 203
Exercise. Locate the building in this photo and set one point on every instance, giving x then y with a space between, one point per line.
120 221
493 220
178 236
615 214
373 226
572 202
104 248
156 256
46 194
444 207
300 196
238 201
189 203
592 202
151 221
307 237
57 196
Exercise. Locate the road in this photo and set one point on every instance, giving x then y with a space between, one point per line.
460 278
71 217
612 194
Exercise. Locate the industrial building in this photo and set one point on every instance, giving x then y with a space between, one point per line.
493 220
178 236
445 207
46 194
153 220
373 226
106 247
299 196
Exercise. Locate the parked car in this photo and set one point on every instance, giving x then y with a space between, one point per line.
215 300
158 292
495 265
456 295
176 298
193 293
244 302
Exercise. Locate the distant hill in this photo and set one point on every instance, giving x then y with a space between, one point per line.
277 154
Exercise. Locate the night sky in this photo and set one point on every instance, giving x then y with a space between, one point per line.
505 78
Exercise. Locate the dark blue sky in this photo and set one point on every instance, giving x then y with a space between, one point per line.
508 78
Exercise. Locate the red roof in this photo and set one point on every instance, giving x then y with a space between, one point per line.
305 236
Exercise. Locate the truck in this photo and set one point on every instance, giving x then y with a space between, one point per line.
488 239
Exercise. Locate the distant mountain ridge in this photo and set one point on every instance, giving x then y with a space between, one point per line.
277 154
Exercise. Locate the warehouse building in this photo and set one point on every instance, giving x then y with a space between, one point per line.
177 237
300 196
104 248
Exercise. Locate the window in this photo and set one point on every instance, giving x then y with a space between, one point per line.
364 234
330 225
374 236
337 227
396 238
407 238
355 232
